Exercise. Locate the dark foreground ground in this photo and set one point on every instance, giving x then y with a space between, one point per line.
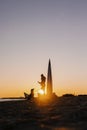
63 113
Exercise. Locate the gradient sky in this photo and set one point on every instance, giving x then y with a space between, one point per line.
31 32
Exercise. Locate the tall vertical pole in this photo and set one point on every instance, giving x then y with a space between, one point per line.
49 80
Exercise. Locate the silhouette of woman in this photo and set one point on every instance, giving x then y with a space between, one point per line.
42 83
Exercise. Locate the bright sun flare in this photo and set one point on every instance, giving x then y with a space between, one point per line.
41 92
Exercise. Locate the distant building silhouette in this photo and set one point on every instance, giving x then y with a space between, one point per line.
49 80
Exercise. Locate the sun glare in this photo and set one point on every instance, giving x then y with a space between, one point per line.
41 92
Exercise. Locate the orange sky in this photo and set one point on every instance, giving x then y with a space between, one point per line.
31 32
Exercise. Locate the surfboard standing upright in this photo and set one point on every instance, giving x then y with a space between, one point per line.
49 80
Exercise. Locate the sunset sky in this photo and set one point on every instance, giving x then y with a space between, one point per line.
31 32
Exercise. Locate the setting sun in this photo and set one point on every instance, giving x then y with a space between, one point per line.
41 92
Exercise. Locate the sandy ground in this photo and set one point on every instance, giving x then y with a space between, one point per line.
63 113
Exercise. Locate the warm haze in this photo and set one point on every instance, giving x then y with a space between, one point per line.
31 32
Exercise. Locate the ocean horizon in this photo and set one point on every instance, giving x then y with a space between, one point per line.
4 100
